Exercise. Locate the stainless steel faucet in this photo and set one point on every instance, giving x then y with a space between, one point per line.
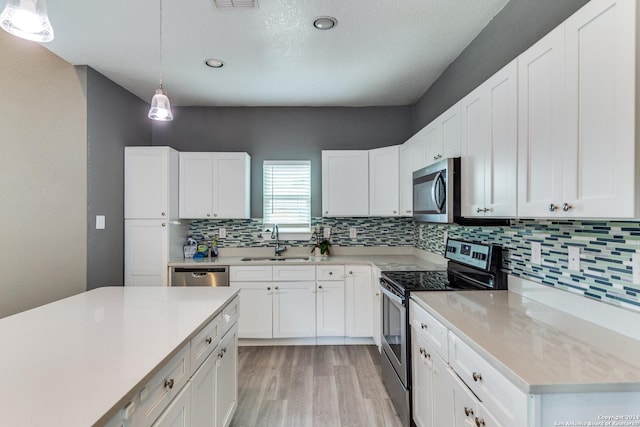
275 234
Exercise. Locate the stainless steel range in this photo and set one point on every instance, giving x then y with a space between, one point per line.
472 266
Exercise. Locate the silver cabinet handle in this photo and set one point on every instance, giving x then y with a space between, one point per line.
276 288
168 383
208 215
468 411
163 214
477 377
408 211
552 207
319 286
423 325
331 273
215 214
268 288
566 207
395 212
480 422
209 340
351 273
164 225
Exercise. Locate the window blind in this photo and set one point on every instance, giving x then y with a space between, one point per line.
287 194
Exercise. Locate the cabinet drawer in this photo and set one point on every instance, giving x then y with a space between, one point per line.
258 273
505 401
467 409
294 272
229 315
204 342
163 387
330 272
430 329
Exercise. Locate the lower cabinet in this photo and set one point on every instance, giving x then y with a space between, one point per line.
359 298
226 395
178 413
294 309
256 309
330 308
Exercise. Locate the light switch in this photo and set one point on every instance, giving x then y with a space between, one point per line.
222 233
353 232
536 253
100 222
574 258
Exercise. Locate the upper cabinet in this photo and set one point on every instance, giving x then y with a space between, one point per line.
345 183
384 187
489 139
443 136
215 185
150 182
577 155
412 154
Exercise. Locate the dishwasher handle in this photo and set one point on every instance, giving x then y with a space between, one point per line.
203 270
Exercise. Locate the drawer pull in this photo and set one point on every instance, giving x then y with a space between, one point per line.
477 377
468 411
209 340
331 273
168 383
226 318
480 422
423 325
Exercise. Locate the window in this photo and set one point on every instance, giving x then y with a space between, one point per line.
287 194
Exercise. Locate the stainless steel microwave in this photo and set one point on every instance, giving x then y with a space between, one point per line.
436 192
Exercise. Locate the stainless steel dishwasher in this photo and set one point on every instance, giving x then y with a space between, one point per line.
200 276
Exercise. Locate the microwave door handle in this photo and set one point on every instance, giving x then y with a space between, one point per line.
434 192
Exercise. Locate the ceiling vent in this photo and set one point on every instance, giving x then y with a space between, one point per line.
225 4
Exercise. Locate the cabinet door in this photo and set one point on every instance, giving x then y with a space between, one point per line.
359 301
178 413
384 181
227 378
231 185
599 179
330 308
465 404
345 183
255 309
432 136
146 252
541 126
501 155
196 185
150 182
449 122
203 392
294 309
475 142
422 385
411 159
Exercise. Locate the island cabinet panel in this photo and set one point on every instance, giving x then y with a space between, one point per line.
178 413
203 393
226 396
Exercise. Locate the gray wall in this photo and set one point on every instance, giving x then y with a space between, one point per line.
284 134
514 29
115 119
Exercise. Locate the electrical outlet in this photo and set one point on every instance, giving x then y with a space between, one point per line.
222 233
353 232
100 222
574 258
635 264
326 232
536 253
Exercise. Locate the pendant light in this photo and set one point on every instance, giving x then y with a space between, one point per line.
160 108
27 19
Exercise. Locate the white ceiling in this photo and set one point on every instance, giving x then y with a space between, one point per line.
380 53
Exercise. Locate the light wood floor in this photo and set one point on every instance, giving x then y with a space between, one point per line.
319 386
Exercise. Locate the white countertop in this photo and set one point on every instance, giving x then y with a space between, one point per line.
70 362
384 262
538 348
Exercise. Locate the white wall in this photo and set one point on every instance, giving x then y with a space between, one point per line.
43 177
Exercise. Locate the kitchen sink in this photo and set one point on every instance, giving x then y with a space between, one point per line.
276 258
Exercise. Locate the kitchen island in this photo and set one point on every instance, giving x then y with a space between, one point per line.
80 360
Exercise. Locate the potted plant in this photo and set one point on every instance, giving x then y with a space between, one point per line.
321 244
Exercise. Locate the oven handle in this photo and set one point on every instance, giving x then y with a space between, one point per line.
392 296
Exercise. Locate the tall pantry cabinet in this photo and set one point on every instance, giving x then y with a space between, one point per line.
152 232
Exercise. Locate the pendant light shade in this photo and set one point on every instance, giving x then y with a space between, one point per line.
27 19
160 107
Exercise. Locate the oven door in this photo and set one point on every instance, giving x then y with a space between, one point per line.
394 331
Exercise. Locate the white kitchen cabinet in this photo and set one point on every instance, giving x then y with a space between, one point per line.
467 409
215 185
294 309
489 138
150 183
330 301
256 309
226 378
412 155
443 136
178 413
422 381
384 181
345 183
359 296
203 393
377 307
148 246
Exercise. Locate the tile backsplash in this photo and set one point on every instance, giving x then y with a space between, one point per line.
606 247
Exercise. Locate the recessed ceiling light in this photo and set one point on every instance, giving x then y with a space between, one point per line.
325 22
214 63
